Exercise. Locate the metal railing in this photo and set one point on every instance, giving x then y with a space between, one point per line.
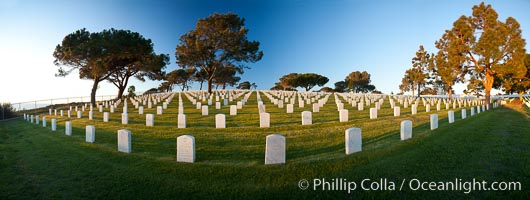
36 104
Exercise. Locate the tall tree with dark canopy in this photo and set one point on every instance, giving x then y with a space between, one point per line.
310 80
520 85
163 87
227 76
199 76
244 85
132 56
288 81
218 41
254 86
492 48
405 85
359 82
131 91
474 87
85 52
340 86
418 74
181 77
448 64
414 79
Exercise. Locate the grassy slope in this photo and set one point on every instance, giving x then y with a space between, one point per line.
38 163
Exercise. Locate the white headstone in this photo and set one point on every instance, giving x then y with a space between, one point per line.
233 110
90 115
360 106
275 149
397 111
37 119
181 121
124 140
239 105
307 118
220 121
54 124
464 113
79 114
90 134
406 129
204 110
340 106
43 121
186 148
451 116
472 111
434 121
124 118
159 110
69 113
428 108
111 108
289 108
353 140
106 117
68 128
181 109
373 113
261 108
264 120
316 107
414 109
343 115
140 110
217 105
150 120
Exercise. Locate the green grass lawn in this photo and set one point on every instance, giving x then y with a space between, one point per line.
38 163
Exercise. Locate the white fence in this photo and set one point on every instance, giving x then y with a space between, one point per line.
30 105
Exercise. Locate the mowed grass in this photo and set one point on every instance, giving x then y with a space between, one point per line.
38 163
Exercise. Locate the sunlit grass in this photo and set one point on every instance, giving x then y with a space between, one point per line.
37 162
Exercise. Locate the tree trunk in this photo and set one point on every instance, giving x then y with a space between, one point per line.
521 96
201 85
209 86
450 94
488 84
93 93
121 89
413 89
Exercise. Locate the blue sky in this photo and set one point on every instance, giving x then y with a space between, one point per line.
332 38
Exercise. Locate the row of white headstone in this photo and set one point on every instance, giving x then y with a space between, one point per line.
275 143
